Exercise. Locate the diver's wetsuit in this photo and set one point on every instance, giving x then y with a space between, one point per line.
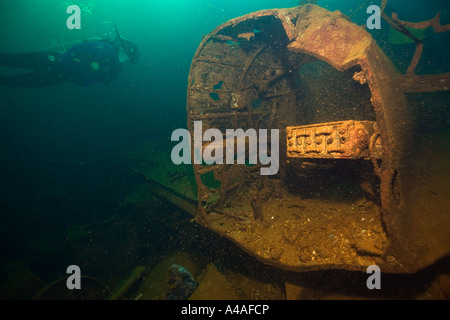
84 64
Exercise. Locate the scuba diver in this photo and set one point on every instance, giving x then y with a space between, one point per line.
93 61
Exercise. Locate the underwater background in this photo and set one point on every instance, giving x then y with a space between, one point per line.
72 188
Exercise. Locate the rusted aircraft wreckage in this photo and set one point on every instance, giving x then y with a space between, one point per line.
345 131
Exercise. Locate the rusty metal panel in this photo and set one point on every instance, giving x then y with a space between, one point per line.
333 140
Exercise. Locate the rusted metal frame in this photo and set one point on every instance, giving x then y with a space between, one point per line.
222 37
416 58
392 131
410 82
390 108
271 117
267 98
271 80
235 118
242 79
385 172
221 115
236 187
205 89
225 190
202 215
260 118
373 159
227 214
406 32
219 173
216 116
248 65
232 22
250 119
215 106
199 88
435 23
427 83
219 62
273 96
